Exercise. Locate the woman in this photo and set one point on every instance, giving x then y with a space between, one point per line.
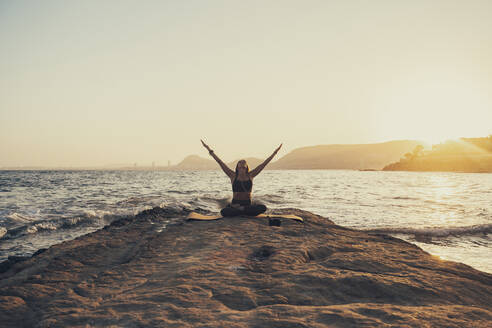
242 184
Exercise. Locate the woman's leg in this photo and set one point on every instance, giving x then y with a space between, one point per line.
254 210
230 211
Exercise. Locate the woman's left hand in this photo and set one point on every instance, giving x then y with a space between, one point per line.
276 150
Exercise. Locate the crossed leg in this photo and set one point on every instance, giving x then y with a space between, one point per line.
250 210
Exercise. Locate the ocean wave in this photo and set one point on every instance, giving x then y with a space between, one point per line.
270 198
216 201
42 226
405 198
137 200
15 219
96 213
89 219
32 236
187 192
439 232
19 218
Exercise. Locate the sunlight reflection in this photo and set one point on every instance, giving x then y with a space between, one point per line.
442 190
442 186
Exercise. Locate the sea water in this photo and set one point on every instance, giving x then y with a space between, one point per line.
446 214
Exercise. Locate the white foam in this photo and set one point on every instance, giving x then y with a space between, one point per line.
479 229
3 231
19 218
96 213
45 226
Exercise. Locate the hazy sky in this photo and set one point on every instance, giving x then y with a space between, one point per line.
116 82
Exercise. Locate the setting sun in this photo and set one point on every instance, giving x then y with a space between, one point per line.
431 140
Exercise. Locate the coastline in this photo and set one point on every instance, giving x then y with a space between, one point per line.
240 272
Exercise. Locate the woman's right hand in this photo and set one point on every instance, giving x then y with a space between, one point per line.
205 145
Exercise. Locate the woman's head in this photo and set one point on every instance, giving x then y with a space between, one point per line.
242 166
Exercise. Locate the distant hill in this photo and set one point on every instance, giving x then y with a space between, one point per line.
351 156
358 156
463 155
362 156
195 162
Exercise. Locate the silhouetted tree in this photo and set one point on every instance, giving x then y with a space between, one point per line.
418 151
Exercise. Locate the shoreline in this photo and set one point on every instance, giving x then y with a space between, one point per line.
240 272
218 170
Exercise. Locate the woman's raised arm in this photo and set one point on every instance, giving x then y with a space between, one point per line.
230 173
260 167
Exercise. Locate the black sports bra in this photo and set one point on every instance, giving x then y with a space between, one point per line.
242 186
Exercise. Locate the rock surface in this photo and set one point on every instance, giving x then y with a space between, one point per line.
240 272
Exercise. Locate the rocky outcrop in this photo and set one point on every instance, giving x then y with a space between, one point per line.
157 269
471 155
